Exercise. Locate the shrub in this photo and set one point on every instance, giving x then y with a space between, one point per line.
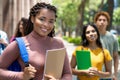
75 40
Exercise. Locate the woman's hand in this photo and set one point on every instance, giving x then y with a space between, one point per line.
29 72
49 77
93 71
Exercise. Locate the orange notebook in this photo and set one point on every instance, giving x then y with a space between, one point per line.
83 59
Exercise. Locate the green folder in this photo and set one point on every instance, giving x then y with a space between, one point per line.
83 59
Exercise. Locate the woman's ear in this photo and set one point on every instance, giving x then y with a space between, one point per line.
32 19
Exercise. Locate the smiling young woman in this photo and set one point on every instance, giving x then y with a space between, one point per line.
99 55
40 38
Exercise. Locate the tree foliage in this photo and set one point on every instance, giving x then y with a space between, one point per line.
72 14
116 18
67 14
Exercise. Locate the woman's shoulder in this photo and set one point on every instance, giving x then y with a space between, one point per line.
108 57
106 51
80 47
58 39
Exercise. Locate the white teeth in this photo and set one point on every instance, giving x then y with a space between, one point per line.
92 37
44 30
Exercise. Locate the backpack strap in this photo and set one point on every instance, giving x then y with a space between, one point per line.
23 51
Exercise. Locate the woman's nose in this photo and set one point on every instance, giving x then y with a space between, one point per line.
91 33
46 24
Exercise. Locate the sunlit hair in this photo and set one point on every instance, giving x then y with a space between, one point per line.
36 10
103 13
24 23
84 41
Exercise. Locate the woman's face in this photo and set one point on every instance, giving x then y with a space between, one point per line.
21 27
43 22
91 34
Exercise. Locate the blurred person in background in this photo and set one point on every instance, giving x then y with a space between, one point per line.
20 29
98 55
102 20
3 41
114 32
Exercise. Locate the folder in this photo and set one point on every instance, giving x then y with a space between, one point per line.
83 59
54 62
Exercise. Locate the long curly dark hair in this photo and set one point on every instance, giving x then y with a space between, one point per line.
85 42
34 11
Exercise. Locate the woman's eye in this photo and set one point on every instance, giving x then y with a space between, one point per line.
51 21
93 31
41 19
87 32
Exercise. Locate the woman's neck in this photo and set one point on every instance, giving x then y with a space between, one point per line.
37 36
92 46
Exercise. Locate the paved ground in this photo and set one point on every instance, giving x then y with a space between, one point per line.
70 48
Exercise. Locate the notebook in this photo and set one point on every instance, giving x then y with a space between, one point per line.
54 62
83 59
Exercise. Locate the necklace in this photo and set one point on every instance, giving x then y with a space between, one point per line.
93 48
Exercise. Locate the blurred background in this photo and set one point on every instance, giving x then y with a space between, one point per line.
72 14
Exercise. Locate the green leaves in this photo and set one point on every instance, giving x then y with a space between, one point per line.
116 17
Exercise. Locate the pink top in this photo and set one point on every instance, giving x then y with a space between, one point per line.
36 46
12 39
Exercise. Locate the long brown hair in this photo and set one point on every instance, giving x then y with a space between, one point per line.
17 32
